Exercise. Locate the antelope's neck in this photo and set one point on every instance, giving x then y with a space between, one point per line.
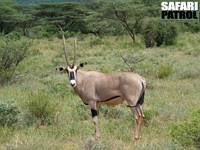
79 80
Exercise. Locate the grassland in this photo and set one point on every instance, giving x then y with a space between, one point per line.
172 75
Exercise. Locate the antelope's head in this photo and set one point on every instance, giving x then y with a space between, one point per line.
70 68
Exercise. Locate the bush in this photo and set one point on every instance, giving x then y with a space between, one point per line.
39 32
187 132
12 52
193 27
41 108
149 35
158 33
164 71
170 34
8 114
13 36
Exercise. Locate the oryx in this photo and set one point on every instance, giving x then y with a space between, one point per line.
96 88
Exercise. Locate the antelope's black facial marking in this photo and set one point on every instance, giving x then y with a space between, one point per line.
71 76
82 64
60 68
72 71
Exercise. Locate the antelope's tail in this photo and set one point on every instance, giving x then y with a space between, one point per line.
141 98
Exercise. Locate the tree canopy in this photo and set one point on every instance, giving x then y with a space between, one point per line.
99 17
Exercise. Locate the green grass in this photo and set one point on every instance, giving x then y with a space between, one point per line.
169 98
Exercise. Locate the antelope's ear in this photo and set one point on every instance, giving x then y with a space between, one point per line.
82 64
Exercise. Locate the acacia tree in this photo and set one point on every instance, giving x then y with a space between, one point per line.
71 16
25 19
97 23
129 17
121 15
7 16
102 19
13 16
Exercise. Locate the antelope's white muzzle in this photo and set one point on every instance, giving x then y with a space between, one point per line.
73 83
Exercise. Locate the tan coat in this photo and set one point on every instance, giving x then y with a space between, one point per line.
109 88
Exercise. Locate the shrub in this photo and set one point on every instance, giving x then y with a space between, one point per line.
164 71
12 52
187 132
41 108
158 33
13 36
41 32
193 27
8 114
170 34
149 35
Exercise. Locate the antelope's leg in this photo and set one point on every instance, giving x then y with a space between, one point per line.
137 116
95 119
141 111
140 119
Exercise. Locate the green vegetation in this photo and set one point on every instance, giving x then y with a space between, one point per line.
170 97
91 17
12 52
8 114
164 71
40 110
187 132
158 32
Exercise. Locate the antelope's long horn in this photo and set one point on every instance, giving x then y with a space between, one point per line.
65 49
75 46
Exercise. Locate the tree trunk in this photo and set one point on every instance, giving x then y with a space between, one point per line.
123 19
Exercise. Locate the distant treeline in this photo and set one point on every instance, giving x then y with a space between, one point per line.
45 1
99 17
